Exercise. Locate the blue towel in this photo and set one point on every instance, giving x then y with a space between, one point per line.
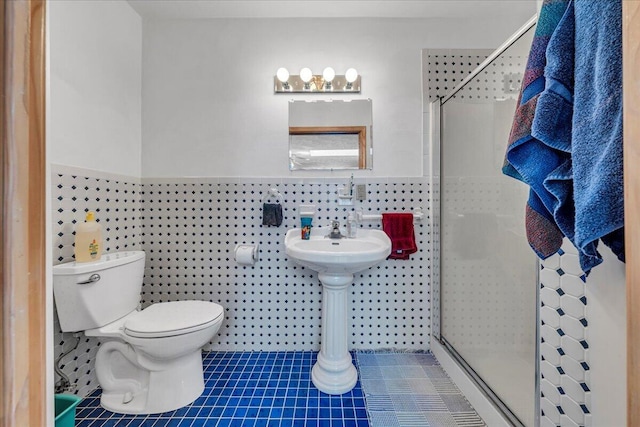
529 159
580 113
552 126
566 140
597 129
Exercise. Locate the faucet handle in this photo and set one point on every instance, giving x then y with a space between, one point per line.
335 230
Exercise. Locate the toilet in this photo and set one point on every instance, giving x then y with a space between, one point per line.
150 360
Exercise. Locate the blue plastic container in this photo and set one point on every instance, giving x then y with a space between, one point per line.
66 409
305 223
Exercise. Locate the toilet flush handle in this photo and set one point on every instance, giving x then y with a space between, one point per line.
92 279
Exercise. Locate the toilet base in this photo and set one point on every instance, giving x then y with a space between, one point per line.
133 384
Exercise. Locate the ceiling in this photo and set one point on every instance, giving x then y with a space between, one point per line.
207 9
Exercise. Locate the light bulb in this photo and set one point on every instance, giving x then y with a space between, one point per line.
351 75
306 75
282 74
328 74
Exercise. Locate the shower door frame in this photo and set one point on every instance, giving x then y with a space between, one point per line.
438 133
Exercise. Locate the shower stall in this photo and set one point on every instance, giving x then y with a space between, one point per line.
485 274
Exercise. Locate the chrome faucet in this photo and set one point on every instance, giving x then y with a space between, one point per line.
335 231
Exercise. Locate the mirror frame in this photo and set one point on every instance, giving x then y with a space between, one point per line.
361 131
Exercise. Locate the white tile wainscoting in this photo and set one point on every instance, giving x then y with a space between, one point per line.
189 226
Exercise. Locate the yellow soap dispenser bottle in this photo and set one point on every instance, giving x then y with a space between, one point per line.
88 243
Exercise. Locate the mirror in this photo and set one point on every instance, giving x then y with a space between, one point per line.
330 135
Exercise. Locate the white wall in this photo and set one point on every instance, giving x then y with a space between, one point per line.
208 101
95 86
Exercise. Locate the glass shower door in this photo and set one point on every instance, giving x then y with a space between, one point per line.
488 273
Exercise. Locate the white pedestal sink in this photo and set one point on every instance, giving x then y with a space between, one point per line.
336 260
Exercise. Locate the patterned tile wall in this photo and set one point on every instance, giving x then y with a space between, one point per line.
447 68
564 348
189 229
116 201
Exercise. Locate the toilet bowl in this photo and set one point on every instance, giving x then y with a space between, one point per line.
155 350
150 360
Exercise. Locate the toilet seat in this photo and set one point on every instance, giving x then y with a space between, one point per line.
168 319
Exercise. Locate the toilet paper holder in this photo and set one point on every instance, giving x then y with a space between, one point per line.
241 250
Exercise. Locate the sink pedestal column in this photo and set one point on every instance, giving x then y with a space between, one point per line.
334 372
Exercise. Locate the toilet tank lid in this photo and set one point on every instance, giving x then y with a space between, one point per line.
167 317
106 261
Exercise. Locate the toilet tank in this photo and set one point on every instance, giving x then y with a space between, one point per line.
93 294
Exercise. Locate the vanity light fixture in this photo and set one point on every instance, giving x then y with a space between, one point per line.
307 82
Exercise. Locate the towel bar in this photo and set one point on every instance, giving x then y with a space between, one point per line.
417 215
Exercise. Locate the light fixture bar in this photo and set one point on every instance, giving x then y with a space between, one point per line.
317 84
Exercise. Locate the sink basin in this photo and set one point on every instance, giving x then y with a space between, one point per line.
325 255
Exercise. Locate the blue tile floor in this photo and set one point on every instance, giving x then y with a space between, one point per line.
245 389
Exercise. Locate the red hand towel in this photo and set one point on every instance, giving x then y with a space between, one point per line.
399 228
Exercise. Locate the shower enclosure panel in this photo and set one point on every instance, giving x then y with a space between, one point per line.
488 273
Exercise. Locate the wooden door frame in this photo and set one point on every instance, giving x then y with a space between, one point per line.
631 85
23 321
